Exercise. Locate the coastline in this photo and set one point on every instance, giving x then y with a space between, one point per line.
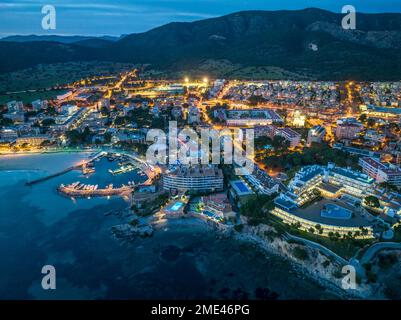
28 153
249 235
303 269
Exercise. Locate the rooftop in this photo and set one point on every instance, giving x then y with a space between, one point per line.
384 109
352 174
314 213
197 171
375 163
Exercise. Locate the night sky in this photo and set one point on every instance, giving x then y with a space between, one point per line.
108 17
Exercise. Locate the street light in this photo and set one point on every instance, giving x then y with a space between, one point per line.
186 79
205 80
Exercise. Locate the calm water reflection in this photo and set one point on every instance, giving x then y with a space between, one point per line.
184 260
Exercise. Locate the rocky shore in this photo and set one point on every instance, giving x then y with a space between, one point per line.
312 267
128 232
316 266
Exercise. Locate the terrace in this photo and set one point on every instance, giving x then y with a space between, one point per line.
333 212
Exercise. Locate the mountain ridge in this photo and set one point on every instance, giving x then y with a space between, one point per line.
309 41
55 38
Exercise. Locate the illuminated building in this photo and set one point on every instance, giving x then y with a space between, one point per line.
32 140
39 104
299 119
15 116
218 204
381 172
381 112
15 106
69 109
315 135
8 134
338 211
104 103
348 128
194 179
193 115
252 117
64 95
292 136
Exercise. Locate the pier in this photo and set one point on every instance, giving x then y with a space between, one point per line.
57 174
86 191
83 193
31 183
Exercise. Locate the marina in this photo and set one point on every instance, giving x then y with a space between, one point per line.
106 174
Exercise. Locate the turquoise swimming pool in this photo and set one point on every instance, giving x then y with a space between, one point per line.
212 215
335 212
177 206
241 186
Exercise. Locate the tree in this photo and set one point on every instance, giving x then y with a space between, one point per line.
48 122
45 143
261 142
279 143
389 186
76 137
319 228
104 111
300 253
371 122
5 121
51 111
372 201
119 121
254 100
256 208
73 136
297 225
364 231
362 117
107 137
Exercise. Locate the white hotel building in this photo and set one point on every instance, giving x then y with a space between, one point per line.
252 117
351 181
380 171
194 179
334 183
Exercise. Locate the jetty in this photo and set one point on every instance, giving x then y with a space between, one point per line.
78 190
31 183
60 173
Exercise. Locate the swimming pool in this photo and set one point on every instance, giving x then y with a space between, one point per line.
212 215
177 206
241 186
209 214
335 212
